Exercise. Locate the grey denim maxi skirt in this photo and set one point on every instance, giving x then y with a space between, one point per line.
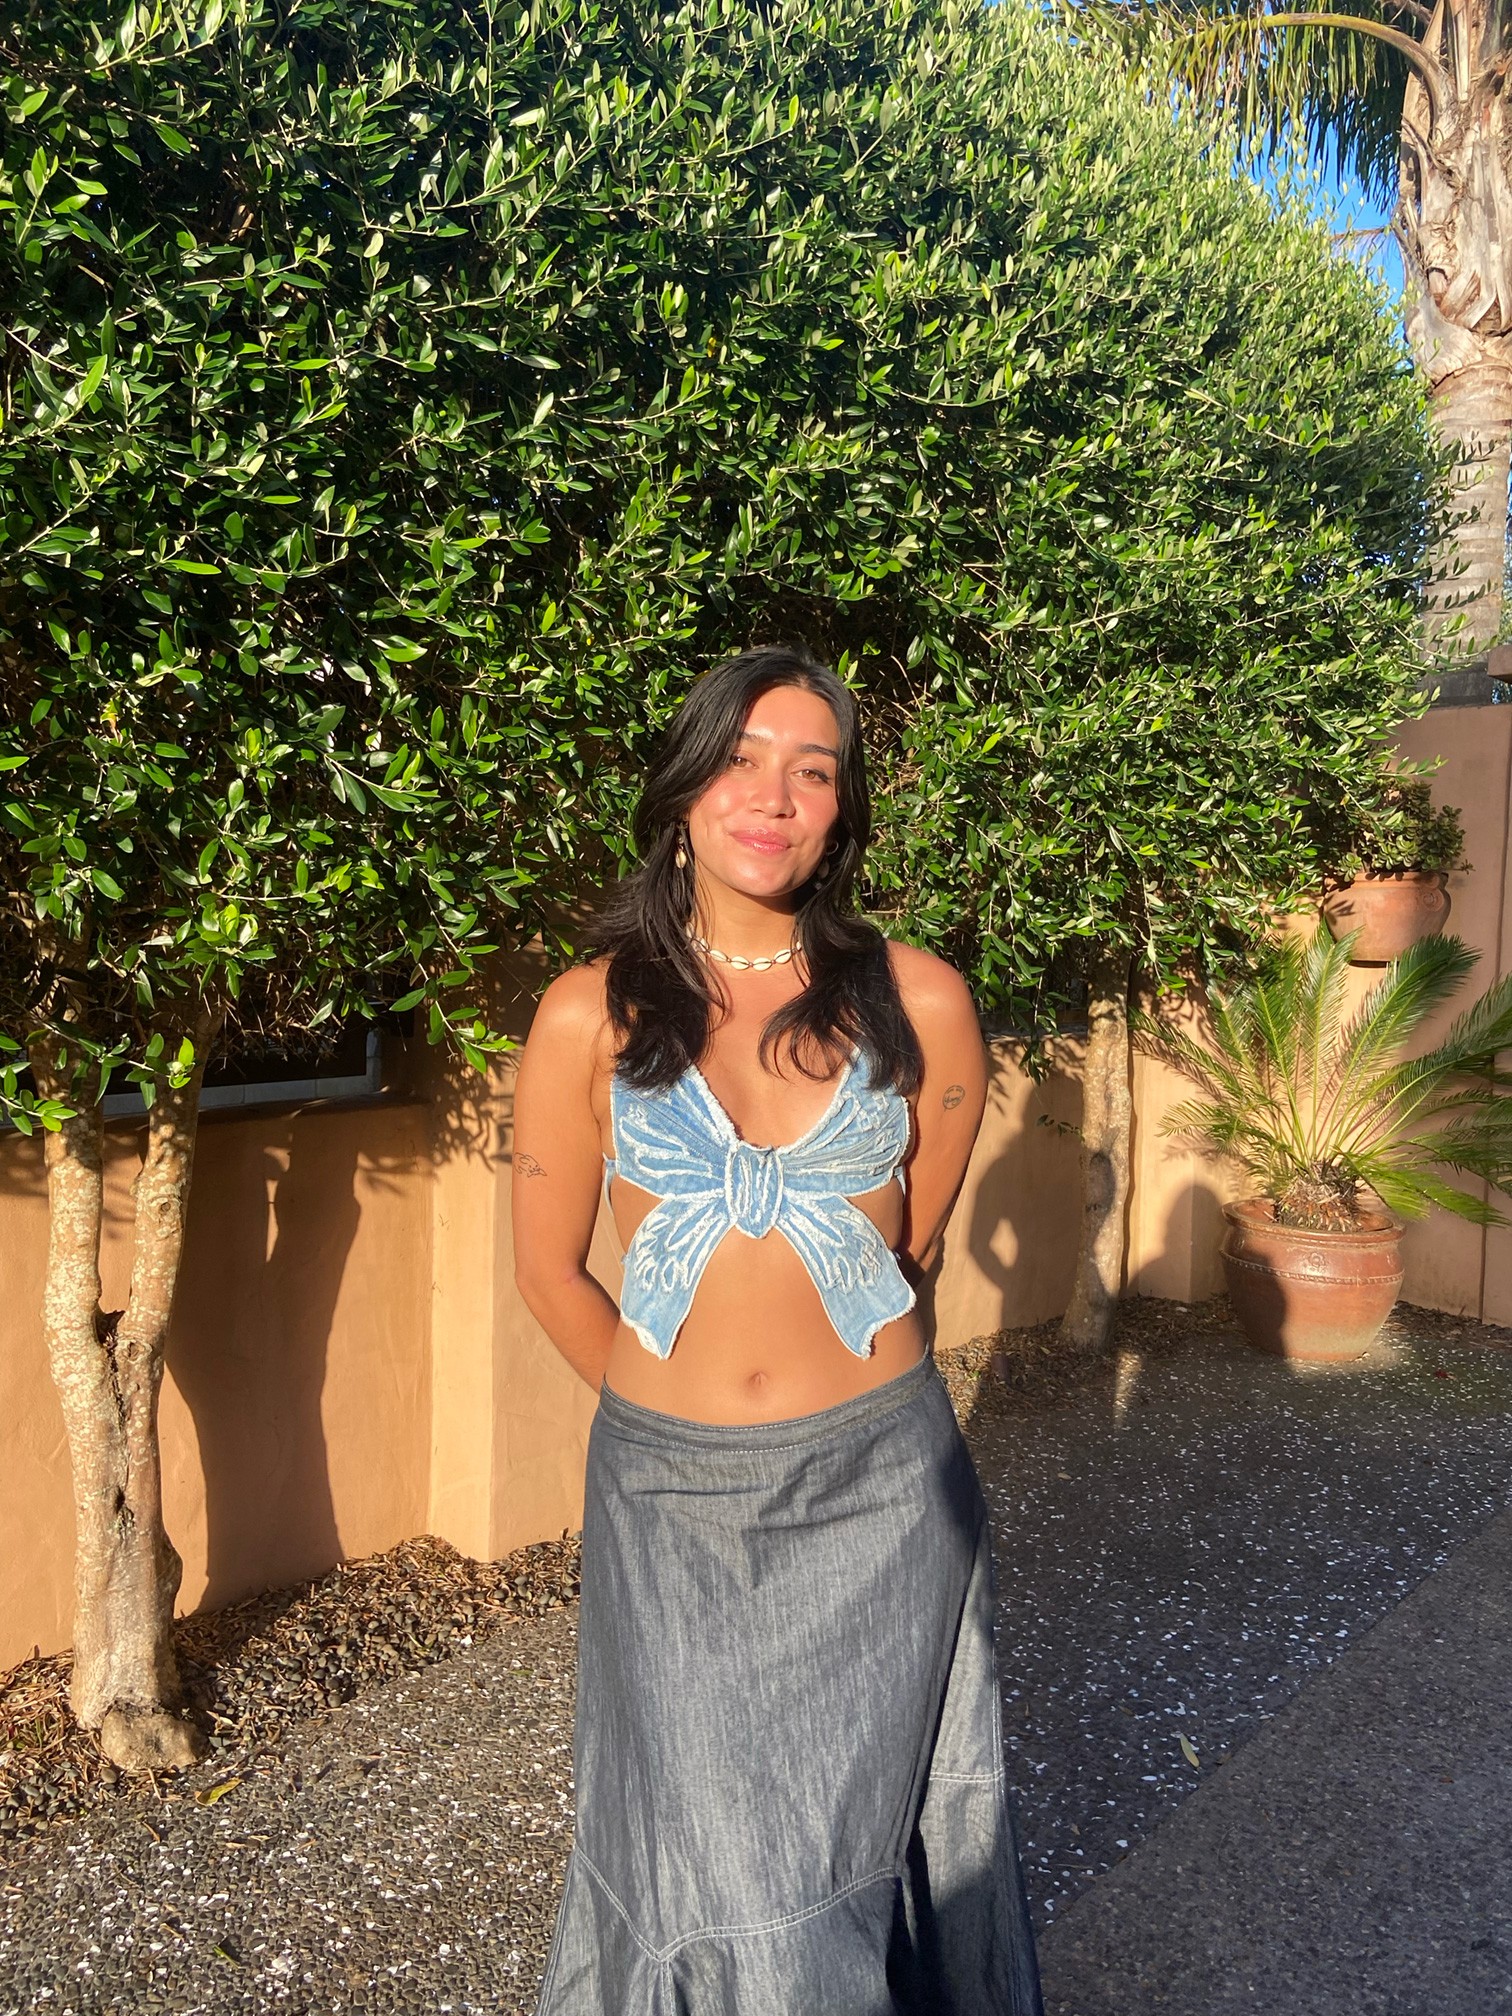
790 1787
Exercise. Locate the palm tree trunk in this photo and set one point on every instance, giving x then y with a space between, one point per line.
1472 409
1107 1121
1453 222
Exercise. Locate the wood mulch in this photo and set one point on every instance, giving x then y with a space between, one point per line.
255 1668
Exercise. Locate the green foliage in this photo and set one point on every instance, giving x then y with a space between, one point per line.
1315 1106
1415 836
403 400
18 1103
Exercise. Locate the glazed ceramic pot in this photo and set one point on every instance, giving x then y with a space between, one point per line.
1390 912
1314 1296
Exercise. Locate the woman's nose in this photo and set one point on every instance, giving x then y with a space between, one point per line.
772 794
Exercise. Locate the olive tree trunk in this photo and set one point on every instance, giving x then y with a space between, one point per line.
108 1369
1106 1127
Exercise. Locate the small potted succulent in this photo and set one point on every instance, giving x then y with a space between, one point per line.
1390 893
1339 1134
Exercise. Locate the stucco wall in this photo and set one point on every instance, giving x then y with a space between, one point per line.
1449 1264
349 1362
296 1409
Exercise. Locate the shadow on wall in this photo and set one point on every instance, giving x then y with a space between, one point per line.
1150 1326
1015 1224
271 1224
299 1342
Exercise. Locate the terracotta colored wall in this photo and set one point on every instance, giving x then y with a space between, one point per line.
509 1418
1010 1246
296 1408
295 1415
36 1510
350 1364
1449 1264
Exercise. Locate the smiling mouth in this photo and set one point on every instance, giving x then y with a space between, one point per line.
763 843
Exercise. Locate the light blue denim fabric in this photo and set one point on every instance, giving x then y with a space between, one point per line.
791 1794
681 1146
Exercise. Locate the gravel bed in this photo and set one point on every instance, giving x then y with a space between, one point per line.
402 1853
1188 1533
1184 1536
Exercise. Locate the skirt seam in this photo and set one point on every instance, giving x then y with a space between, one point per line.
782 1924
661 1955
765 1448
630 1926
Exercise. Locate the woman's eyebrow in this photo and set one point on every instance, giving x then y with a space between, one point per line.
803 748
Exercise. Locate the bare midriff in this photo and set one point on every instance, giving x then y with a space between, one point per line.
757 1344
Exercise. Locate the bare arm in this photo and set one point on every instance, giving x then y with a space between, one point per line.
951 1099
558 1171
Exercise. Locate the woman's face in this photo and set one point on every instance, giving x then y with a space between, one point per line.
762 826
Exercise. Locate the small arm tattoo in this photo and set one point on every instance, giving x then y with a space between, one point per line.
953 1096
528 1166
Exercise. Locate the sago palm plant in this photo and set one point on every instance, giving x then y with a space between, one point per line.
1320 1107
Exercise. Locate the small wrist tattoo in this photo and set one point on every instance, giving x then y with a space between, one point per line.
528 1166
953 1096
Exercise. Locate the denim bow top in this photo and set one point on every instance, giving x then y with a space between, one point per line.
681 1147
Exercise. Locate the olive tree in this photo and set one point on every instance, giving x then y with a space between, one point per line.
403 401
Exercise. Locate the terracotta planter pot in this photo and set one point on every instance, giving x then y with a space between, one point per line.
1390 912
1315 1296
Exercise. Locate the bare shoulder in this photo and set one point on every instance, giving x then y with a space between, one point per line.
573 1014
935 997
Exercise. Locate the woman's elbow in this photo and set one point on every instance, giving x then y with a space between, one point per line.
530 1278
541 1281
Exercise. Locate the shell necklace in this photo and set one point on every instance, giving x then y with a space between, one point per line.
735 960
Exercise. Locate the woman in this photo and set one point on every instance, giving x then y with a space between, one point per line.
790 1795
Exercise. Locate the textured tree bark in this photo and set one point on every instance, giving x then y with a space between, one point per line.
1454 223
1107 1121
109 1369
1472 410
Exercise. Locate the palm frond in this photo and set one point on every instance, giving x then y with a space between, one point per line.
1452 1100
1325 983
1201 1120
1477 1144
1332 79
1405 1090
1277 1002
1477 1037
1229 1066
1413 1193
1208 1065
1395 1008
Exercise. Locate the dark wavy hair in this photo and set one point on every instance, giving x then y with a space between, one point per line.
660 1001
